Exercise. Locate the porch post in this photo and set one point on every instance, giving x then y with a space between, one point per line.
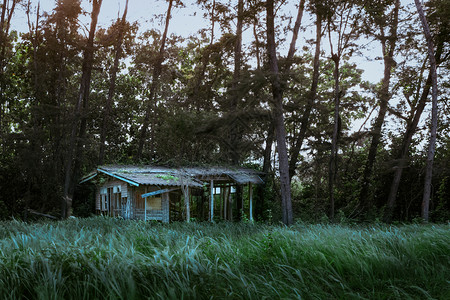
226 191
187 199
212 201
145 206
250 197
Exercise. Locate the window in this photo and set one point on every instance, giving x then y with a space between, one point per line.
154 203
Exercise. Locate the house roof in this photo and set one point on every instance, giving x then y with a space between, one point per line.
136 175
239 175
163 176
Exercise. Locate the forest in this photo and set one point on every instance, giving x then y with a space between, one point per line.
261 85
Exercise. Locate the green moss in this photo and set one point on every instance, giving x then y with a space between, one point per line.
168 177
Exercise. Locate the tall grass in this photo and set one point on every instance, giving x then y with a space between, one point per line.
109 258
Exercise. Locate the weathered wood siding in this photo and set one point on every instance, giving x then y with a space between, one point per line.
157 206
111 183
97 199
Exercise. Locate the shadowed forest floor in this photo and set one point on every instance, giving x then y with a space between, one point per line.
119 259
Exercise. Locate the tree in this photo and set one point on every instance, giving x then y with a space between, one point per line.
434 112
112 85
377 15
151 102
7 11
235 93
343 22
277 108
411 127
73 159
304 121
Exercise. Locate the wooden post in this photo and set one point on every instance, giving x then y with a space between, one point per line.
187 199
145 206
221 201
250 197
225 202
212 201
230 205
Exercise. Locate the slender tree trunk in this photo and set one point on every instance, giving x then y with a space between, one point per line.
434 113
298 22
235 135
304 121
334 141
35 46
388 47
257 43
151 102
259 203
3 37
72 173
277 93
112 85
5 23
235 127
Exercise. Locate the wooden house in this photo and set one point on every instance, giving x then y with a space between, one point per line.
146 192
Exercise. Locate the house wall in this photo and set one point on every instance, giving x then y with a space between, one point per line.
157 206
114 184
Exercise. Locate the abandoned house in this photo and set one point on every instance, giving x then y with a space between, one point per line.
160 193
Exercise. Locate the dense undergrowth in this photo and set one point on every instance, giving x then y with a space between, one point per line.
105 258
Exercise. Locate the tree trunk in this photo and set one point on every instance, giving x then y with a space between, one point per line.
71 174
434 113
298 22
35 46
388 47
277 93
334 141
235 134
3 37
112 86
304 121
151 102
5 23
257 43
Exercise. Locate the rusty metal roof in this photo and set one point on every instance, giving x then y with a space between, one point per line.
158 176
238 175
191 176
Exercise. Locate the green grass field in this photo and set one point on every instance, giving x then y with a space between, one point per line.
105 258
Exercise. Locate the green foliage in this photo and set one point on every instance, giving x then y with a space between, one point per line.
195 116
114 259
168 177
441 213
